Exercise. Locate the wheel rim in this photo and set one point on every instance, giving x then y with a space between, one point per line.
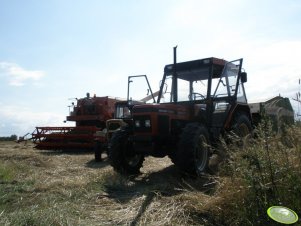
201 154
133 160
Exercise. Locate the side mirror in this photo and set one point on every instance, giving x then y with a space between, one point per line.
243 77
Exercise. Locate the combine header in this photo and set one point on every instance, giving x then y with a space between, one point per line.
89 114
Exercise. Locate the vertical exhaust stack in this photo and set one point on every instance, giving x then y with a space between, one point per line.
174 76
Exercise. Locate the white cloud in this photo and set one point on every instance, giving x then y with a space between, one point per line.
21 120
273 69
17 76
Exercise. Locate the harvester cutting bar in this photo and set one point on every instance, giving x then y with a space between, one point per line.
61 138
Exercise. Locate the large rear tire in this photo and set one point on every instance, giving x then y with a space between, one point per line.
241 125
242 128
193 151
122 155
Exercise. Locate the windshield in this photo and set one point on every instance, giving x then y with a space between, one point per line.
187 90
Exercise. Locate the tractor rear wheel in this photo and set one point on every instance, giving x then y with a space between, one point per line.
97 151
242 128
242 125
122 155
193 151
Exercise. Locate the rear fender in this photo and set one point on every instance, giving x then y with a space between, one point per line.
242 108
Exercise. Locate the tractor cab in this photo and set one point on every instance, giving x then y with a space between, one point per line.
213 85
207 91
209 78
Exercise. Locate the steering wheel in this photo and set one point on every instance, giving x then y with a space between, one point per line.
196 95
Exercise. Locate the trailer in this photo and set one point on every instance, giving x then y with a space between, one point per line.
278 109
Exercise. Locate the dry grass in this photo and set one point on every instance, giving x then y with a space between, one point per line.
55 188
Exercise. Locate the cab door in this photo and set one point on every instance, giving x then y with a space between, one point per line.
227 91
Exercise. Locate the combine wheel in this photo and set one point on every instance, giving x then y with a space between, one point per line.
122 156
193 150
97 151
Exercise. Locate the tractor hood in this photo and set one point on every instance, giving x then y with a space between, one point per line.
166 108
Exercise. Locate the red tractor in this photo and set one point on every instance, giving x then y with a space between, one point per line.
122 115
199 101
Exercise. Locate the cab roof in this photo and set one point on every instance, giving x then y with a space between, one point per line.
197 69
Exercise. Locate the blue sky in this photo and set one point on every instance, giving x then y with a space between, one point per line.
51 51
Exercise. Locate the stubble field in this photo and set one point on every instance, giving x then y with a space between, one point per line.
69 188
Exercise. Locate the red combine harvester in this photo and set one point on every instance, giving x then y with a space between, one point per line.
89 114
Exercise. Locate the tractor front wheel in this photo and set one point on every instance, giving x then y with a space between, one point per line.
193 150
122 155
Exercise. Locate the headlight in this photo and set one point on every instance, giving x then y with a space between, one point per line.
137 123
147 123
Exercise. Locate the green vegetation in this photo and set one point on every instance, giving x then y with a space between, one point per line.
6 173
71 189
266 172
11 138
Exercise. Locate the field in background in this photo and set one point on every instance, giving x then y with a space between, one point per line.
55 188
